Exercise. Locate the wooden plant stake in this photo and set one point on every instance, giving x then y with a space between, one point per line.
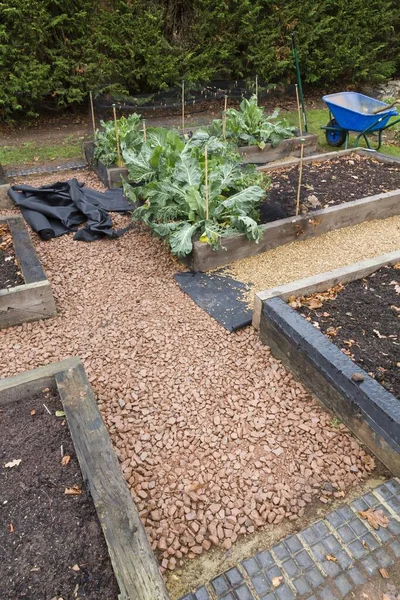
257 88
301 151
183 107
206 178
144 131
92 112
224 117
120 162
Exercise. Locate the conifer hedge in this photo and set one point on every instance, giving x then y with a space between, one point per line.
53 51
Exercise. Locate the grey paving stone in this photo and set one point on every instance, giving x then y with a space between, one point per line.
356 576
371 542
261 584
284 593
302 586
273 572
382 558
359 504
395 548
346 534
394 504
357 526
265 559
370 499
357 550
320 529
312 597
251 566
326 594
202 594
309 536
293 544
319 551
394 526
281 551
314 577
291 568
220 585
343 559
331 568
343 585
303 559
384 534
332 544
229 596
234 576
346 513
369 565
335 519
269 597
394 486
243 593
187 597
384 491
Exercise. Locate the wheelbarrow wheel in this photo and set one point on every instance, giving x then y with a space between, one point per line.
335 136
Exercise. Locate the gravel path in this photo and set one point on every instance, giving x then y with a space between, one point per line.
215 437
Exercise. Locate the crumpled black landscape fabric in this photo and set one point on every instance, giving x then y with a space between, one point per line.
58 208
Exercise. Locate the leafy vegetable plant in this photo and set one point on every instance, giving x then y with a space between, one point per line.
172 199
105 139
251 126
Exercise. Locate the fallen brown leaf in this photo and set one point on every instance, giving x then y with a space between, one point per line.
65 460
11 528
33 412
73 491
75 568
384 573
364 543
276 581
331 557
375 518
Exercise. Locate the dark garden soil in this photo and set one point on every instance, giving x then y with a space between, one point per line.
51 543
363 320
327 183
10 274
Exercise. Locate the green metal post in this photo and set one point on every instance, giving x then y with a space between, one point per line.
296 62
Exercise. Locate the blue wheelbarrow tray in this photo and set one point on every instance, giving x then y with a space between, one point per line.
355 112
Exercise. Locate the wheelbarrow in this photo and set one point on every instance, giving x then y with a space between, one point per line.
350 111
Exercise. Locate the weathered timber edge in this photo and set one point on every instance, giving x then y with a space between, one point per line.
281 232
135 567
289 147
5 201
323 281
368 410
33 300
110 176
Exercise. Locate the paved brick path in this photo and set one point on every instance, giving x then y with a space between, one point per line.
300 559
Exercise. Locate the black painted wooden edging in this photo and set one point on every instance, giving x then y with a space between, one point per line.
34 299
135 566
370 411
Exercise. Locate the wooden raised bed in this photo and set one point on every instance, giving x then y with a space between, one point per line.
283 231
33 300
366 407
289 147
111 176
135 567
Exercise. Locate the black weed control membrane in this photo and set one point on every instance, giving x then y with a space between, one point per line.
218 295
55 209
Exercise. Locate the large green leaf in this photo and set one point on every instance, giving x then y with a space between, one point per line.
187 171
181 242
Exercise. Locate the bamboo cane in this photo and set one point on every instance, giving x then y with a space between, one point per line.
144 131
206 178
92 112
301 152
257 88
224 117
120 162
183 107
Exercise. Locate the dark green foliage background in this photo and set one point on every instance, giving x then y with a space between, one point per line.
53 51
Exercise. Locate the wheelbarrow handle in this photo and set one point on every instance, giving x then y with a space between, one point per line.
386 107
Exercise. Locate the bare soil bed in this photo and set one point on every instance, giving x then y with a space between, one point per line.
327 183
362 319
10 274
51 543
